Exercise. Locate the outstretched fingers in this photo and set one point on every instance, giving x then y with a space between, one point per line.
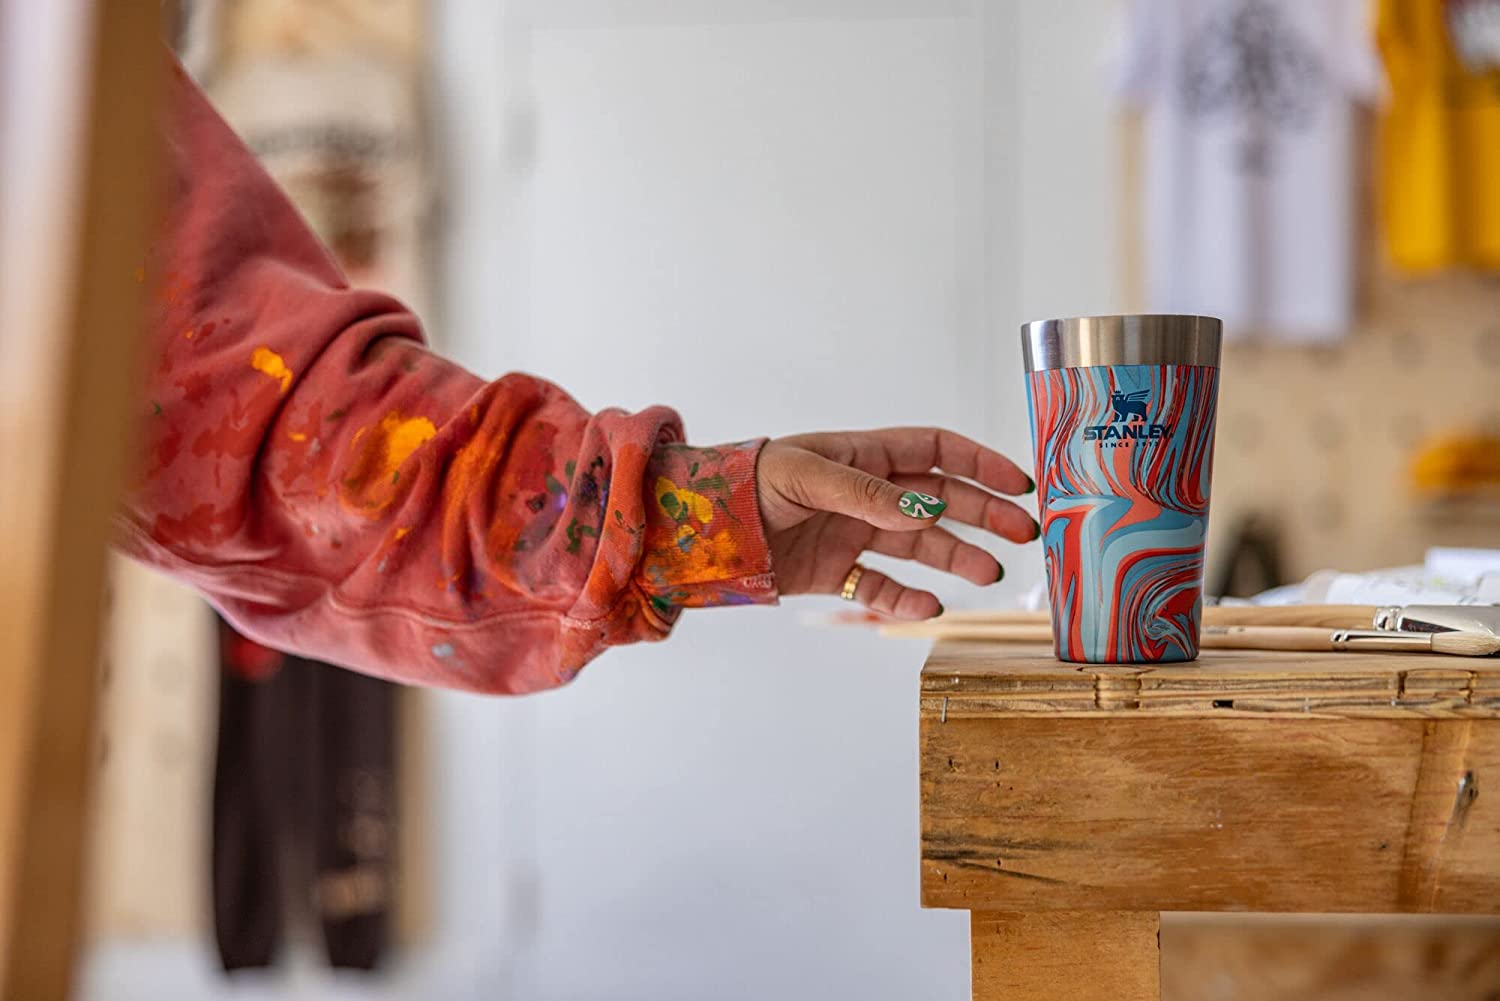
820 484
919 450
880 593
941 550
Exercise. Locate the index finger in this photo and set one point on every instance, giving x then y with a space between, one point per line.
918 450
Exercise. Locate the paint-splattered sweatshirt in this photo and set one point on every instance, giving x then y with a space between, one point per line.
339 491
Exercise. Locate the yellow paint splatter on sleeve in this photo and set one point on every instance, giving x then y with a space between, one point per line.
266 361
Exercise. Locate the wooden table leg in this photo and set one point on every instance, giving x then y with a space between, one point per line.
1072 955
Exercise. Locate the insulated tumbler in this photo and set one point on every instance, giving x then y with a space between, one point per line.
1122 420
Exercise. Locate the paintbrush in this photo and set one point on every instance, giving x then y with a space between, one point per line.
1303 638
1410 618
1452 643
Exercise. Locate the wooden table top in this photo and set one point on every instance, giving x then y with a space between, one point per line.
967 679
1260 781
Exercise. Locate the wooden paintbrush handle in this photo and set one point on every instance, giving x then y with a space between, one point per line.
999 632
1322 616
1301 638
1222 637
1266 638
1006 617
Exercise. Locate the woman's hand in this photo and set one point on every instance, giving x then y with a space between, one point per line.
827 498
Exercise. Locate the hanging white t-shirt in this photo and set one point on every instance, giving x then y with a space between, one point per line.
1250 165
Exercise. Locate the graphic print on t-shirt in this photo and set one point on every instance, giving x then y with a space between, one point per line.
1249 63
1249 113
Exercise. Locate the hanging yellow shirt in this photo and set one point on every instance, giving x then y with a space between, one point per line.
1440 134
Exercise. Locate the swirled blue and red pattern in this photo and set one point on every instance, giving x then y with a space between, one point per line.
1124 456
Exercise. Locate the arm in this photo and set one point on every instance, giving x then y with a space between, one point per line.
339 491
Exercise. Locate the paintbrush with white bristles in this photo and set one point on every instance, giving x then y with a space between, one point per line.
1304 638
1453 643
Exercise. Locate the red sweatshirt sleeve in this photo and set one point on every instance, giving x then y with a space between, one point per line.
339 491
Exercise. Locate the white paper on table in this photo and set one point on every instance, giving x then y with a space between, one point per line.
1471 564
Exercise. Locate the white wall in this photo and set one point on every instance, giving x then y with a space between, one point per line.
776 215
1068 154
759 221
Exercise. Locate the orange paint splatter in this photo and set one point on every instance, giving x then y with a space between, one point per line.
697 555
371 480
296 436
402 533
268 362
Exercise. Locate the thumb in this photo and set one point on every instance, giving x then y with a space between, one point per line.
825 485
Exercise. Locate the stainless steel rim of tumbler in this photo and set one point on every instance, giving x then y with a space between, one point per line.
1145 339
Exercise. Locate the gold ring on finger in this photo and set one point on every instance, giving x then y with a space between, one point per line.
851 582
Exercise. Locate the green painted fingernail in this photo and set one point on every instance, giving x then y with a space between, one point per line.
1038 526
1030 486
941 609
921 506
1000 576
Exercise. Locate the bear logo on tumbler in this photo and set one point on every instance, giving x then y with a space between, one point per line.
1128 405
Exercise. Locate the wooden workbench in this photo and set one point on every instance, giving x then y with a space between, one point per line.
1068 805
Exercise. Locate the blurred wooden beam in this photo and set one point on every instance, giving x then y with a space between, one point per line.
1078 955
62 457
1327 957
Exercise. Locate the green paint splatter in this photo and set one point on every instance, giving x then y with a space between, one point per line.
577 533
338 414
156 410
725 508
553 487
396 476
715 482
670 504
568 469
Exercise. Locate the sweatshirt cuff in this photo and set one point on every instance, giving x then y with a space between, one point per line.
704 543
